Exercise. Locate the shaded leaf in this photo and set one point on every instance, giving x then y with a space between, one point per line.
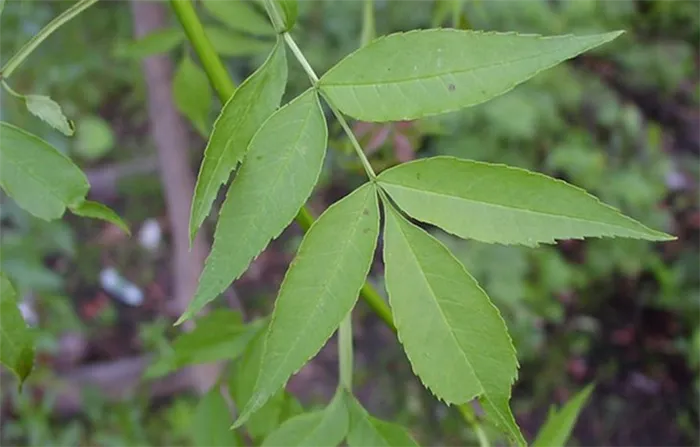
242 115
231 43
368 431
420 73
557 428
453 335
97 210
94 137
240 16
278 409
160 41
319 428
16 339
498 203
50 112
281 168
319 290
192 94
36 175
219 335
211 420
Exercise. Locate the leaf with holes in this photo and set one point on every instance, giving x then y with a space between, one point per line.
453 335
319 289
192 94
97 210
16 339
37 176
498 203
50 112
278 175
557 428
420 73
242 115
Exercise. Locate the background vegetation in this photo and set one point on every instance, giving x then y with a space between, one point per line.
620 122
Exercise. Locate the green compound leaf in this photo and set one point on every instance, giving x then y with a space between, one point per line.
318 291
368 431
319 428
192 94
231 43
453 335
240 16
97 210
16 339
498 203
420 73
557 429
280 170
160 41
50 112
211 420
242 115
36 175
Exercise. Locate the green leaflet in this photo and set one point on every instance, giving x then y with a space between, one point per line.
160 41
319 289
368 431
97 210
319 428
36 175
282 166
210 422
192 94
240 15
50 112
498 203
219 335
231 43
16 339
453 335
240 118
557 428
412 75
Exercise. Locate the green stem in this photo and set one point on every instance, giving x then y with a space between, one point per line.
468 415
11 91
368 27
213 67
45 32
188 19
339 116
345 352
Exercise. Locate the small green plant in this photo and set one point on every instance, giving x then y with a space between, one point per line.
454 337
